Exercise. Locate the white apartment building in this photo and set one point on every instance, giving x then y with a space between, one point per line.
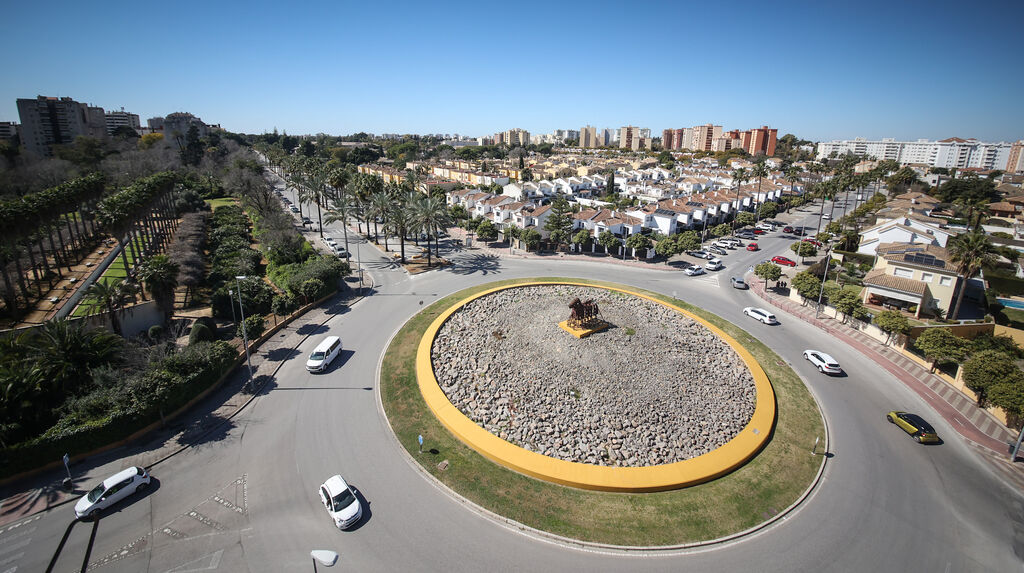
949 153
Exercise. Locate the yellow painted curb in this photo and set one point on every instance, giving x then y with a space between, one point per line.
711 465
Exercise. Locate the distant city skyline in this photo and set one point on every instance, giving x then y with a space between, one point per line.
820 71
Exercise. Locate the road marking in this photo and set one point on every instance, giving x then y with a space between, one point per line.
211 560
14 536
15 547
12 558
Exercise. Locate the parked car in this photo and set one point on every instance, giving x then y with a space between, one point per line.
760 314
784 261
746 235
787 229
341 502
694 270
752 247
826 216
718 250
341 252
738 282
307 221
765 227
914 425
700 254
823 362
799 232
293 209
713 265
814 242
112 490
758 231
736 243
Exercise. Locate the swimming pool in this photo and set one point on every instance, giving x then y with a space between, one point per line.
1010 303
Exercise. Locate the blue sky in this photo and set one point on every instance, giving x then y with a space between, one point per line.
821 70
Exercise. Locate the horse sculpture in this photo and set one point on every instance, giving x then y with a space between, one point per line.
583 314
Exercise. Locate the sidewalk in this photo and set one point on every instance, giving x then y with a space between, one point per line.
207 422
979 427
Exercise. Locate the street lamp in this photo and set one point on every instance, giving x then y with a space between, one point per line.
245 335
325 557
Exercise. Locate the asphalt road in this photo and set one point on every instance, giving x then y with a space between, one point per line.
247 501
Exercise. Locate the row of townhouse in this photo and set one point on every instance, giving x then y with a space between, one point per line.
468 177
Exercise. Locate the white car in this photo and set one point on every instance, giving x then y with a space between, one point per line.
760 314
112 490
713 265
725 244
341 252
694 270
765 226
823 362
341 502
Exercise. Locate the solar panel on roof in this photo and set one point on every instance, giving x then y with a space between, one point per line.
694 204
923 259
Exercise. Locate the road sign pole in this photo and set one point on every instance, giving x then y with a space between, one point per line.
1016 449
67 467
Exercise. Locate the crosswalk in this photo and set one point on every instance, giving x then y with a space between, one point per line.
13 539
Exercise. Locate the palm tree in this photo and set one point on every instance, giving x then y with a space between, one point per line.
740 176
403 218
792 173
379 209
159 274
431 214
970 252
64 352
343 202
110 297
760 171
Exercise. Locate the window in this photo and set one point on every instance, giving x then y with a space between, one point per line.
926 277
946 281
905 273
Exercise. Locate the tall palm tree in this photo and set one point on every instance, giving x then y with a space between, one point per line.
969 252
403 218
159 275
342 200
740 176
760 171
792 173
378 209
432 215
110 297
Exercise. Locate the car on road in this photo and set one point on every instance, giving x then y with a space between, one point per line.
713 265
823 362
341 502
700 254
760 314
112 490
784 261
826 216
293 209
693 270
752 247
914 425
738 282
787 229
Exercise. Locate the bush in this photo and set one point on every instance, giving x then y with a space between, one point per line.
312 289
200 333
256 298
283 304
254 327
155 332
326 269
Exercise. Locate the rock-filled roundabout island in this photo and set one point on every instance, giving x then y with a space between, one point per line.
628 393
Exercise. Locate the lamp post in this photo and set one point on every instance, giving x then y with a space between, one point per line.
325 557
234 320
245 336
828 260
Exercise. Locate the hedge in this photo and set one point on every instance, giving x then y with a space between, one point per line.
174 380
1009 286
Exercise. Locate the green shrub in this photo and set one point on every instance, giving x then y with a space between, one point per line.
312 289
200 333
283 304
155 332
254 327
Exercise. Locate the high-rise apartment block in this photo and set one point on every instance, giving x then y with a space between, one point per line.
704 137
1015 164
9 130
949 153
513 137
49 121
631 137
177 124
588 137
116 119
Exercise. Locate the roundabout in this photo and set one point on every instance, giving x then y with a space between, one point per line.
662 400
745 472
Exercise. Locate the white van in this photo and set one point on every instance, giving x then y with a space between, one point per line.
324 354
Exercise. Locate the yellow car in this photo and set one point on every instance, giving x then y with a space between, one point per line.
914 425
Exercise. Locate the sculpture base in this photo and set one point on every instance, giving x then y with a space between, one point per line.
583 332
